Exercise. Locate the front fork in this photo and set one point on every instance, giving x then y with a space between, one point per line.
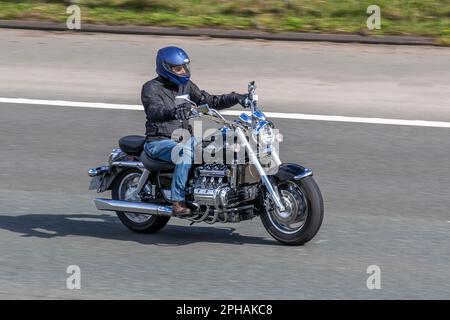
274 195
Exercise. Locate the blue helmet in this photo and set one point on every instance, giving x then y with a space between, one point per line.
172 63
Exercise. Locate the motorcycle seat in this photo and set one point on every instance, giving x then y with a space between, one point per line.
152 164
132 144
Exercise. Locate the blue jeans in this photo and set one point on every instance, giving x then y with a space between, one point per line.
183 157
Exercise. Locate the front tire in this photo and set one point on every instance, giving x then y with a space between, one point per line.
122 189
304 212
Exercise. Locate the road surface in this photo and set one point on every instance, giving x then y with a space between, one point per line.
385 187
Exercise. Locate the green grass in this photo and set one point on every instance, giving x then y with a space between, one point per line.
399 17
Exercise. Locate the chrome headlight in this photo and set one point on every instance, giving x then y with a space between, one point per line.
263 133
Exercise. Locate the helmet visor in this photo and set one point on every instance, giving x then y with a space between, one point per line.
179 69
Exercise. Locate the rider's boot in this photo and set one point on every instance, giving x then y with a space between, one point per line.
180 209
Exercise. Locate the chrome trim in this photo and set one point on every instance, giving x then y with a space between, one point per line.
165 211
128 164
133 207
93 172
275 157
258 127
305 174
254 159
217 113
115 154
142 181
261 124
186 97
233 183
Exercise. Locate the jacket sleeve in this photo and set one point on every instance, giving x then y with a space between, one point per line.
154 106
214 101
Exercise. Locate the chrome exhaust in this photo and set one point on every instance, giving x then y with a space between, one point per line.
133 207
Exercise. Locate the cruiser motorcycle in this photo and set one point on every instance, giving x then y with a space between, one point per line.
248 180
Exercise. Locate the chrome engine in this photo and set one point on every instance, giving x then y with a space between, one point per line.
212 188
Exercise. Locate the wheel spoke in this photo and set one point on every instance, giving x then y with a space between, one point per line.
126 192
296 205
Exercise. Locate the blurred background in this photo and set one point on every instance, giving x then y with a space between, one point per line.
399 17
385 187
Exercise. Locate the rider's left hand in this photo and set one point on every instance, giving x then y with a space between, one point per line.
183 111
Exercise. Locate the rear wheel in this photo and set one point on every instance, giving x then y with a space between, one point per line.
124 188
303 216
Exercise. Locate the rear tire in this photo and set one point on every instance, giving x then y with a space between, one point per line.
310 213
137 223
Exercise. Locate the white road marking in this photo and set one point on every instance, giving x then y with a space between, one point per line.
275 115
63 103
42 230
301 116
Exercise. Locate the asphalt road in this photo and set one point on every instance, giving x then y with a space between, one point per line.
385 187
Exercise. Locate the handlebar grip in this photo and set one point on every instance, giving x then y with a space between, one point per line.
251 86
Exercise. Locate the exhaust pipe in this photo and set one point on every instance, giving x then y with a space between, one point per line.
133 207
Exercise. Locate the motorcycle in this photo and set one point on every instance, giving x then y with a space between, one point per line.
246 180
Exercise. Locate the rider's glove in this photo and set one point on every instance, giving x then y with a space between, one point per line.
242 99
183 111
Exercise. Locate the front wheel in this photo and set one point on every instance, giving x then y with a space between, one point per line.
123 188
303 216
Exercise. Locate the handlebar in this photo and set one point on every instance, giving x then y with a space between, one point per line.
214 115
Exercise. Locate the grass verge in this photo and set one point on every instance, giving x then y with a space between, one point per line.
398 17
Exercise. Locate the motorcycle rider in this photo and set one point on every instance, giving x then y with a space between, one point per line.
164 116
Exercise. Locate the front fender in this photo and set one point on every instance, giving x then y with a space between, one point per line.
292 171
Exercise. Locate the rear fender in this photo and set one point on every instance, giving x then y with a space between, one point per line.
104 182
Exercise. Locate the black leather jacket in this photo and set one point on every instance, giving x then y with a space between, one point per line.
158 98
